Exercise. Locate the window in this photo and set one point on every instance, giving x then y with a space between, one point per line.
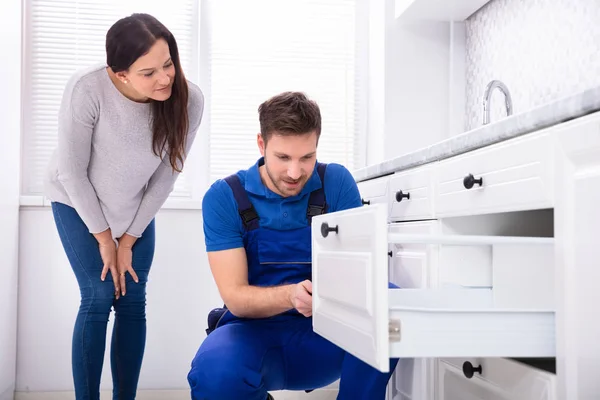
240 53
259 48
61 36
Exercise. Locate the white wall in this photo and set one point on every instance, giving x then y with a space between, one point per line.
541 49
424 83
416 103
10 120
180 293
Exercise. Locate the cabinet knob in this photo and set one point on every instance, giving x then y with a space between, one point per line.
469 370
367 202
470 181
400 196
390 253
325 229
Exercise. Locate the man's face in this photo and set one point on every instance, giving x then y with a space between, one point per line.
289 161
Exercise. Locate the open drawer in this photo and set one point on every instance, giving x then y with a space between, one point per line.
353 307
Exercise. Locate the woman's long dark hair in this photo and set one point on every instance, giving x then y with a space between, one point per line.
126 41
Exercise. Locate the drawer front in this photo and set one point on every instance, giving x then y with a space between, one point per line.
511 176
410 195
349 269
374 191
494 378
466 323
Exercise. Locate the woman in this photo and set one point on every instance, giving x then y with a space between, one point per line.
124 131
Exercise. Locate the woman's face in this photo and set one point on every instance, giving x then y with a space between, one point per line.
151 76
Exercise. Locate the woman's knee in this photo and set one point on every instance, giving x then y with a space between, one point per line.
133 303
97 299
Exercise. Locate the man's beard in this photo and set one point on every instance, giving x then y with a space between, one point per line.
279 183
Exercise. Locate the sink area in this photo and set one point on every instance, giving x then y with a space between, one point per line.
549 114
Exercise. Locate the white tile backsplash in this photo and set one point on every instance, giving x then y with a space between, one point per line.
541 49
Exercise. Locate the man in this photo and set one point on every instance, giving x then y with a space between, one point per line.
258 239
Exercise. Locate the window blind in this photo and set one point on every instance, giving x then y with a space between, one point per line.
61 36
260 48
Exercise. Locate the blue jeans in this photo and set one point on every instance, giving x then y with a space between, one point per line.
97 299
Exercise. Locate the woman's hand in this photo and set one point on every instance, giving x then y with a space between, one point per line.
108 253
124 257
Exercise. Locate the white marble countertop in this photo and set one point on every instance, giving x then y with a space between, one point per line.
552 113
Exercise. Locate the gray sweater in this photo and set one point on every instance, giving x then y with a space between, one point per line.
104 166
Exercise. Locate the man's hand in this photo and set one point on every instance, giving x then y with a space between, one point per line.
301 298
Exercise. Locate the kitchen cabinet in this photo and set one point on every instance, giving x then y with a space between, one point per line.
482 244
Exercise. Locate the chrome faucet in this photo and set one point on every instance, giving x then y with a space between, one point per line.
488 95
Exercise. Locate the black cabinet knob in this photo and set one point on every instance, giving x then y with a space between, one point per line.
325 229
390 253
367 202
470 181
400 196
469 370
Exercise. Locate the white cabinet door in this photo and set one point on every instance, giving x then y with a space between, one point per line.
410 267
412 379
493 379
452 385
350 282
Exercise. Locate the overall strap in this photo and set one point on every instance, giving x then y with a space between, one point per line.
317 203
245 208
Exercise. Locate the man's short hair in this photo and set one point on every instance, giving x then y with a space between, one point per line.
289 113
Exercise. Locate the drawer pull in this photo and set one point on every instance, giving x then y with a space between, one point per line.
400 196
390 253
325 229
470 181
469 370
365 202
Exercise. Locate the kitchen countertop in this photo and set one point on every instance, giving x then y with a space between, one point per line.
549 114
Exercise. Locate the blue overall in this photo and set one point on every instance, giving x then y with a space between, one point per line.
246 358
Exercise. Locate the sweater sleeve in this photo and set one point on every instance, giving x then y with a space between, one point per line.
161 183
77 117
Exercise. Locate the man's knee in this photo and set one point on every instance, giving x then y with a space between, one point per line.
206 376
220 374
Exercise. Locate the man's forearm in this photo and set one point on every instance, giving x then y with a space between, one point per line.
260 302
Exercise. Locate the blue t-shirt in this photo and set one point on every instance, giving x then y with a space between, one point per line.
223 228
